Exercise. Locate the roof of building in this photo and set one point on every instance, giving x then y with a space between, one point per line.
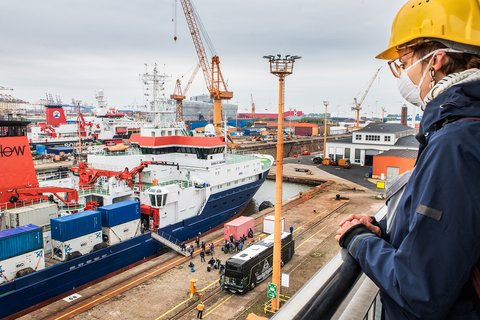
407 141
402 153
384 128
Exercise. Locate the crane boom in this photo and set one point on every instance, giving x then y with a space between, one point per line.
358 104
212 74
197 40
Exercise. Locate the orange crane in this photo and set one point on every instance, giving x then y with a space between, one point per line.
36 193
358 103
88 176
216 85
253 106
179 95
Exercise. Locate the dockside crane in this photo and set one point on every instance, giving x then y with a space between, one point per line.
179 95
253 106
212 74
358 103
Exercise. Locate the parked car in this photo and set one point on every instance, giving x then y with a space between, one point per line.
318 159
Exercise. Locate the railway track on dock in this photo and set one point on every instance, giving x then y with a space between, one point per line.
120 287
216 297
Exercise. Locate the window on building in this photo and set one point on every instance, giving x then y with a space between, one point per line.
358 137
386 138
370 137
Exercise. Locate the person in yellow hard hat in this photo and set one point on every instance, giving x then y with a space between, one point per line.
425 255
200 308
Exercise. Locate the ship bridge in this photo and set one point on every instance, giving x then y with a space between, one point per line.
337 291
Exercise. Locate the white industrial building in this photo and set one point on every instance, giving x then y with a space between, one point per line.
371 140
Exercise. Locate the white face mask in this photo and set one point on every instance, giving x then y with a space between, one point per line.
409 90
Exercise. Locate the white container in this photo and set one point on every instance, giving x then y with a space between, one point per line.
121 232
83 244
9 267
38 214
47 242
269 225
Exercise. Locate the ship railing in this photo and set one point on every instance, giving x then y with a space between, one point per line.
8 205
181 183
130 151
52 175
337 291
83 191
169 237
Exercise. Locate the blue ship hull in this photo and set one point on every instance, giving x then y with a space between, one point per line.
42 285
219 208
53 281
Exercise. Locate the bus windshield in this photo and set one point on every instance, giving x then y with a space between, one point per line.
235 281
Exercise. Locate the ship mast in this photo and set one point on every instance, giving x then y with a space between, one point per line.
162 114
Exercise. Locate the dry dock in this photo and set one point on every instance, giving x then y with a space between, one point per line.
158 288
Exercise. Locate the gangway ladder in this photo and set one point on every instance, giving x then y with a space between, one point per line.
170 241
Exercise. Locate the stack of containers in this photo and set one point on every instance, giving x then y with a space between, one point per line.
120 221
76 234
21 252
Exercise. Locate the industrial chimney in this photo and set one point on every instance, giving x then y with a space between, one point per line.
404 115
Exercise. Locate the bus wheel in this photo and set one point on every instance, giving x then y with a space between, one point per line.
253 284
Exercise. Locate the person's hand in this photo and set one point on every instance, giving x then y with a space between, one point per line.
364 219
345 225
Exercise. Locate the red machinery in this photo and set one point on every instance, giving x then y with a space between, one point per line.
37 193
88 176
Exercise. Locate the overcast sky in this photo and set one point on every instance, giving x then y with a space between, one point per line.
73 48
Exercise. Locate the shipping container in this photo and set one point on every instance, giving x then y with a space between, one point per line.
119 233
40 149
75 225
23 264
58 150
64 250
120 212
38 214
269 225
17 241
238 227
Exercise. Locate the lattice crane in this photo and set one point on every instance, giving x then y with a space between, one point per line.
179 95
212 74
358 103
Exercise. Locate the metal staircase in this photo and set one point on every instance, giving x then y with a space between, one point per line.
170 241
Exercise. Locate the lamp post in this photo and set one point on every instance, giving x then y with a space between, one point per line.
280 67
325 103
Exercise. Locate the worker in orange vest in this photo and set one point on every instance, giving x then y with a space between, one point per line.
200 308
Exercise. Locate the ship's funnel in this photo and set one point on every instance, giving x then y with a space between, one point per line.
55 115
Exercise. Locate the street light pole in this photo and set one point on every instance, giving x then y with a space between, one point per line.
280 67
325 103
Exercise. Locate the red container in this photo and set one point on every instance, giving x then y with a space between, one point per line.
238 227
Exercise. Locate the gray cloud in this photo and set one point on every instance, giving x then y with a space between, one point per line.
73 48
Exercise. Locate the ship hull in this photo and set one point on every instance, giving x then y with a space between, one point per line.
219 208
53 281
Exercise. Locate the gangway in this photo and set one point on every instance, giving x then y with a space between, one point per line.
169 241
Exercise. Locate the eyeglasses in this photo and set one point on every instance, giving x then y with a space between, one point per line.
397 66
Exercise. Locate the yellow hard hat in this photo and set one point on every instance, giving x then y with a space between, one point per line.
455 23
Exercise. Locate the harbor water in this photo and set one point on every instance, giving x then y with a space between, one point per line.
267 193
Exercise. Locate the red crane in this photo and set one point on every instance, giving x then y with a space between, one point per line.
88 176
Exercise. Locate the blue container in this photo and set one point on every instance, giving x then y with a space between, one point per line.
14 242
75 225
120 212
58 150
40 149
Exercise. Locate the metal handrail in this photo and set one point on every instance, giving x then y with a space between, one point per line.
169 237
328 294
